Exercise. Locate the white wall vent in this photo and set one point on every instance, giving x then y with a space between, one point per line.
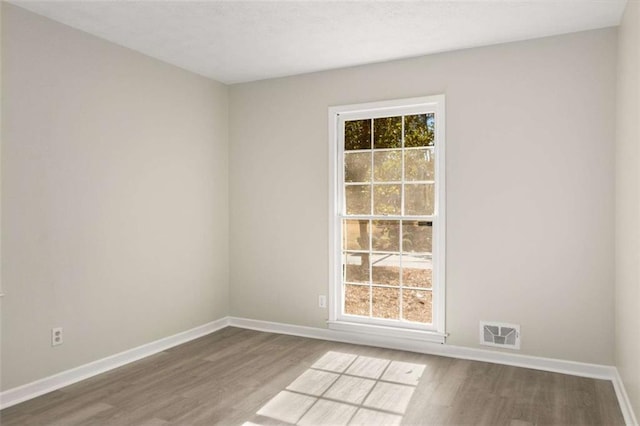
500 335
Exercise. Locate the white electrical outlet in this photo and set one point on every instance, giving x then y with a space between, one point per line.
322 301
56 336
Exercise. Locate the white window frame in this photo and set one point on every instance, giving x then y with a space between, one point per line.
434 332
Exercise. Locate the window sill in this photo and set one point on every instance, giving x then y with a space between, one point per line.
382 331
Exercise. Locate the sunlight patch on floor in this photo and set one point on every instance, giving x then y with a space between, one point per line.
345 389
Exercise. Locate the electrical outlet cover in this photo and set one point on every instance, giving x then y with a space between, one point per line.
322 301
56 336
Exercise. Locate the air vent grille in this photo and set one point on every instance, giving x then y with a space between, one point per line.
500 335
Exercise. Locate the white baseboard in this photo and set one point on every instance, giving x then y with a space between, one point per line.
48 384
596 371
65 378
623 399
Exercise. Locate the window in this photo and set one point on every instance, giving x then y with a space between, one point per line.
388 222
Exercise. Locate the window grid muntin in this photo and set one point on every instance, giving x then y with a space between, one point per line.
387 286
402 218
370 283
371 171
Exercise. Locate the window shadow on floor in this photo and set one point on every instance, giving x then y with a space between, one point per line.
345 389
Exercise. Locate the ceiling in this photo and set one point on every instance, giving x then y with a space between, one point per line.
240 41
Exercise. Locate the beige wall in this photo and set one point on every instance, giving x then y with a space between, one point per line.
530 184
116 207
114 195
628 205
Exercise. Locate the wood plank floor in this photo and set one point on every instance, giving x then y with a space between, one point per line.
237 376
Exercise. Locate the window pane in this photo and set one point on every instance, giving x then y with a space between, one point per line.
386 235
419 130
387 208
357 167
357 135
386 199
418 199
356 267
387 132
416 271
419 164
358 199
356 234
386 303
416 236
385 269
356 300
416 305
387 166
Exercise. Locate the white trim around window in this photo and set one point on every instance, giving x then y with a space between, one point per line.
434 331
